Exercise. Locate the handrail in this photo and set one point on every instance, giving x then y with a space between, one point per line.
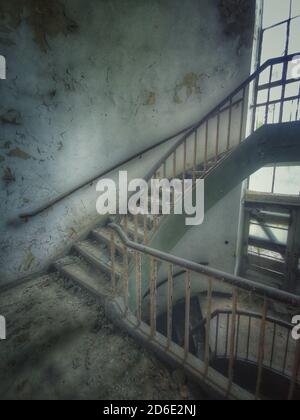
188 131
251 78
236 281
28 215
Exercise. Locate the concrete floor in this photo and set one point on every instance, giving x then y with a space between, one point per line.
60 346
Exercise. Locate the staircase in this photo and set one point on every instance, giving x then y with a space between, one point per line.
131 250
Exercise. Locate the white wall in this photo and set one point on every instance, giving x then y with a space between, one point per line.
91 85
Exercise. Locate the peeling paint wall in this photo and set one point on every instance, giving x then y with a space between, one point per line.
90 83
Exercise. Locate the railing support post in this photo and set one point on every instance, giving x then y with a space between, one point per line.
187 314
170 305
113 263
208 323
261 350
232 341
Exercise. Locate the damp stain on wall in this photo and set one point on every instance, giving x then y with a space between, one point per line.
47 19
238 17
150 99
18 153
188 86
11 116
8 176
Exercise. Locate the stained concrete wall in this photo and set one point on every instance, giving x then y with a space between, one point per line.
90 83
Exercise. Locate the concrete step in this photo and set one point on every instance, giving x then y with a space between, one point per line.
97 256
103 235
84 276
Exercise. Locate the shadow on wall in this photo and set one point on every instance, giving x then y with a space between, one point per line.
238 17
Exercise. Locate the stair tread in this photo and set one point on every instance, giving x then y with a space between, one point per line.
104 233
83 275
94 254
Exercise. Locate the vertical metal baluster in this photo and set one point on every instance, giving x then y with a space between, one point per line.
195 155
261 348
242 115
286 351
217 136
135 228
155 218
273 345
282 102
125 276
174 164
155 267
187 314
268 96
227 336
153 275
248 338
285 66
151 260
217 335
237 336
253 123
206 147
184 160
145 229
232 341
229 123
295 372
138 271
208 324
170 305
113 263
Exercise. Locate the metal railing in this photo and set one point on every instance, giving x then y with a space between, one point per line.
266 95
213 280
278 340
203 143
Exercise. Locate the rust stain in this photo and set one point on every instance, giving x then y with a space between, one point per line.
72 233
18 153
188 86
8 176
151 99
47 18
